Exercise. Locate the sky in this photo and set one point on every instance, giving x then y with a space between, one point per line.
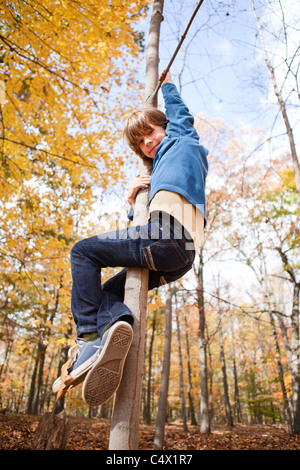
223 72
209 82
220 63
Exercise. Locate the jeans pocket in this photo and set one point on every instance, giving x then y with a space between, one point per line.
165 255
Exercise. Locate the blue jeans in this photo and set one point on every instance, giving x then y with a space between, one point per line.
162 246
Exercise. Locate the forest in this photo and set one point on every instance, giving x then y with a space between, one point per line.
71 72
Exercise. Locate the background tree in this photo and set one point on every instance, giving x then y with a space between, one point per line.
164 386
289 85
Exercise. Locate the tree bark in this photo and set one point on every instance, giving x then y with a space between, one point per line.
32 386
294 341
204 405
51 433
262 347
287 410
297 413
59 405
182 397
41 360
210 386
295 357
124 433
147 413
164 386
190 397
228 413
237 402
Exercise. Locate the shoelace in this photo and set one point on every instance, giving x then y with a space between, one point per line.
75 350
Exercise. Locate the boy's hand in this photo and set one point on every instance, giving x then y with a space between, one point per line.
167 79
139 182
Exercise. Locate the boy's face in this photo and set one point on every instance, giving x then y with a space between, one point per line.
150 141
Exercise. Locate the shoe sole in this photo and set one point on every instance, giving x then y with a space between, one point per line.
103 380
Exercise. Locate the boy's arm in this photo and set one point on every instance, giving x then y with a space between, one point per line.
181 122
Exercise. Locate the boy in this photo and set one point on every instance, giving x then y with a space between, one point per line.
166 246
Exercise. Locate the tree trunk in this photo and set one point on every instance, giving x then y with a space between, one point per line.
32 386
204 406
147 413
287 410
211 378
261 343
37 393
294 341
59 405
4 365
295 344
182 397
51 433
282 105
124 433
237 402
164 386
190 397
228 413
295 357
297 413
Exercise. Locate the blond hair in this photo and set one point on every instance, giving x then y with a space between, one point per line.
139 123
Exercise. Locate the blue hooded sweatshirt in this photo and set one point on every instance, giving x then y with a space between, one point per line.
180 164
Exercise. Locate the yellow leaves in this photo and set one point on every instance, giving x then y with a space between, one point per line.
60 342
155 303
287 177
102 48
66 68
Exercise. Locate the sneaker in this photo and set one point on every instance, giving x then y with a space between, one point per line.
104 378
82 356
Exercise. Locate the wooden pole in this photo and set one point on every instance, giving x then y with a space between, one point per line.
124 434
